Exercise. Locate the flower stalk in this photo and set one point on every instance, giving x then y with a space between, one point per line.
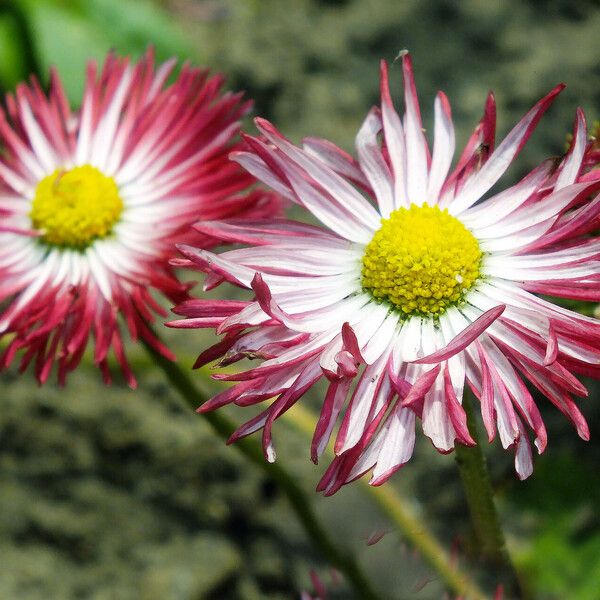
397 509
252 451
480 499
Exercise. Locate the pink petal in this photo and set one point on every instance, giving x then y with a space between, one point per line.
571 166
465 337
456 412
501 158
443 147
421 386
417 151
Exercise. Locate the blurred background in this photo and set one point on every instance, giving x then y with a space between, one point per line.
107 493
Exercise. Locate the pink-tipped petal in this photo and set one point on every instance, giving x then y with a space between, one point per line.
502 157
463 339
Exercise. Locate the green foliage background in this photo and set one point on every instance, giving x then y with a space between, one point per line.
107 493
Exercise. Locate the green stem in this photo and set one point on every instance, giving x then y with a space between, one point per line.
299 501
398 510
426 544
484 517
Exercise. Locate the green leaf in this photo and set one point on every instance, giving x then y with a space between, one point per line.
12 65
67 34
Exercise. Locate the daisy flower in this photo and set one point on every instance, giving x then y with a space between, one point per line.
419 283
91 203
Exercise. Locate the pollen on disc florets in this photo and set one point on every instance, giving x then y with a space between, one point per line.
75 207
422 260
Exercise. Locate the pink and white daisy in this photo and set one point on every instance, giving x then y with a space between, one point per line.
91 203
418 284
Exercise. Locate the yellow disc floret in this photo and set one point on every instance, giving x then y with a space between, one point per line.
73 208
422 260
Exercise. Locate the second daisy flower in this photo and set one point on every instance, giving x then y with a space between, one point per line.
412 290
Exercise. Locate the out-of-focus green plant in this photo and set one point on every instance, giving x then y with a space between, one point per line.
12 62
312 65
66 33
559 507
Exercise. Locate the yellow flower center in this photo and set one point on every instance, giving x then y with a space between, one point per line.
422 260
74 208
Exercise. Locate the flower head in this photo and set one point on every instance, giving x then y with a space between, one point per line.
91 203
418 284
